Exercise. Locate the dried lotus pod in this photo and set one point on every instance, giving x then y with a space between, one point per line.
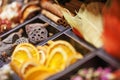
13 37
36 32
29 10
29 27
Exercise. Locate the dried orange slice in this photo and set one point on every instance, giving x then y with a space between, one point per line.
18 57
23 52
59 52
43 53
68 48
38 73
31 48
57 59
15 65
50 42
27 65
74 58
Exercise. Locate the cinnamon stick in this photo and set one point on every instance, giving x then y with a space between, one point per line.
20 31
62 22
53 8
50 16
54 18
65 23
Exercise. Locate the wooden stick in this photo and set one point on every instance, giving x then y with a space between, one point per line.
20 31
45 24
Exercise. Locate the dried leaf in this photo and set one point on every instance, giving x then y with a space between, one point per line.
88 24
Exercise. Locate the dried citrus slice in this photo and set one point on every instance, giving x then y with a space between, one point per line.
43 57
74 58
18 57
21 54
38 73
68 48
50 42
31 48
15 65
27 65
43 53
59 52
57 59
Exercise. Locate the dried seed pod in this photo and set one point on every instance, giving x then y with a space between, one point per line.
29 27
21 40
6 48
13 37
36 32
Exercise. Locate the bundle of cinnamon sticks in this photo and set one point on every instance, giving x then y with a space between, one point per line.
53 12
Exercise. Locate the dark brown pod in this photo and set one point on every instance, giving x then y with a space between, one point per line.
13 37
21 40
36 32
